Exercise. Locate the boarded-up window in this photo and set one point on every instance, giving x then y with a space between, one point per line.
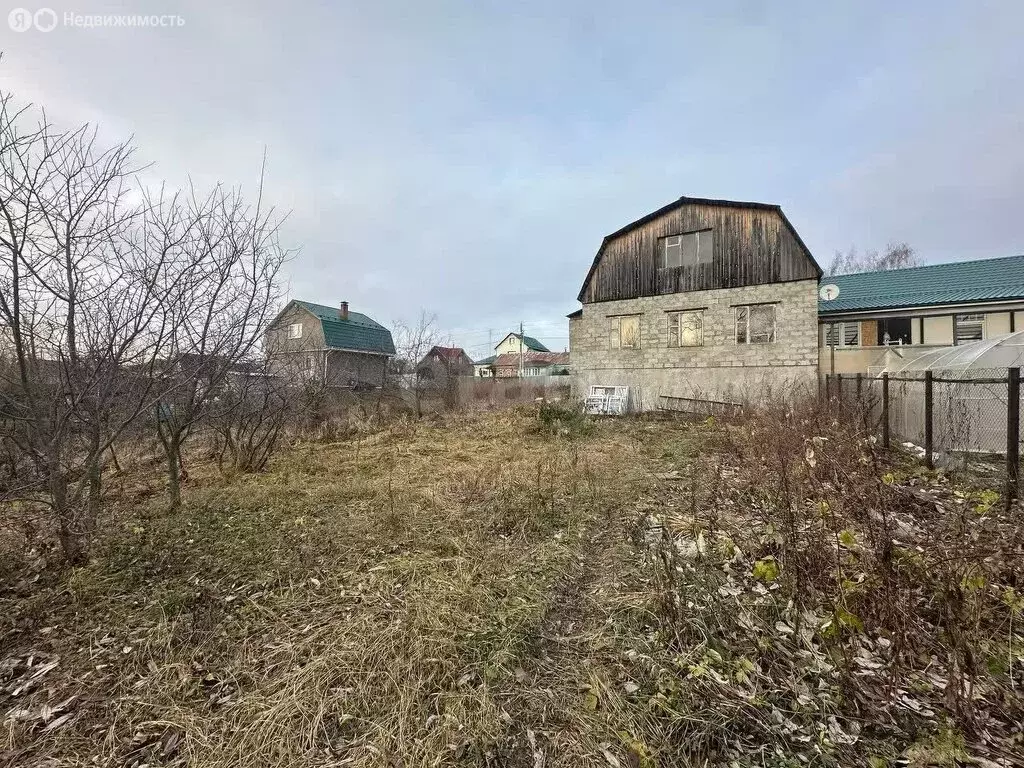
686 329
755 324
968 328
687 250
625 332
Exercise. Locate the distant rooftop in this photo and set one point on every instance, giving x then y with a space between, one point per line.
958 282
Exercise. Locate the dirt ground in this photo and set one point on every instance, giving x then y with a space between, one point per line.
470 590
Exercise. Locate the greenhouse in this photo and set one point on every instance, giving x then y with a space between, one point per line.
990 357
970 394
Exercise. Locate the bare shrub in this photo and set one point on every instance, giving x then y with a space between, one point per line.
249 416
811 566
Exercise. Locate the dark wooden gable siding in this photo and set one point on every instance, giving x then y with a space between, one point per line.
752 246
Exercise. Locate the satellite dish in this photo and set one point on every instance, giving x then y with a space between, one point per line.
829 292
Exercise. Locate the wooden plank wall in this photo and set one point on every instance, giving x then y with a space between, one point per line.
752 246
868 333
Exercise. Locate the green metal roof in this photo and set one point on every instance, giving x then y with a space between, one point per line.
486 360
531 343
962 282
359 332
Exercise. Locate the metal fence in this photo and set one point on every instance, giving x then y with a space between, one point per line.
950 416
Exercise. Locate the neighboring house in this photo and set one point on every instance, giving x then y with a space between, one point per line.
516 343
330 345
484 369
885 318
705 298
508 365
512 344
441 363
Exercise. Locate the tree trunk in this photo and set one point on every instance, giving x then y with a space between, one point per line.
94 470
73 534
172 449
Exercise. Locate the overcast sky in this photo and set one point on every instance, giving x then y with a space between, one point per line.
468 157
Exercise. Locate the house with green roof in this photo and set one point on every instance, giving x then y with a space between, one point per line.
330 345
513 344
516 343
872 320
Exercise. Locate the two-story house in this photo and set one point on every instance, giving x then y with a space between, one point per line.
329 345
701 298
520 345
515 343
874 320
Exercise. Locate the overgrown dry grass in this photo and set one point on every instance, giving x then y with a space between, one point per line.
814 601
506 590
365 602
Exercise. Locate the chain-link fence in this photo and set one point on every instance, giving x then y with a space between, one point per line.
950 416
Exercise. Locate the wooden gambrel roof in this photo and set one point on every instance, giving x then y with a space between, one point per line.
702 201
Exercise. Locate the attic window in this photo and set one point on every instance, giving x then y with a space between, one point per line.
295 331
687 250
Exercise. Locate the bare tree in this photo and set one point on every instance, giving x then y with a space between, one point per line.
114 302
227 288
250 415
895 256
412 342
79 303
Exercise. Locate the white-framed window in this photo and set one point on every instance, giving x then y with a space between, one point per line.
625 332
968 328
295 331
843 334
686 329
687 250
307 363
755 324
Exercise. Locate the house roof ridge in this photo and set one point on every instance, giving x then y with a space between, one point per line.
983 260
965 282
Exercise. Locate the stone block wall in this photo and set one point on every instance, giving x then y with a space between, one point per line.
721 369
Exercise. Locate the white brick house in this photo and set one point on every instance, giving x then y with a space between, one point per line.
710 299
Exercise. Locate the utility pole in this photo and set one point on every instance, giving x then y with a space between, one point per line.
522 344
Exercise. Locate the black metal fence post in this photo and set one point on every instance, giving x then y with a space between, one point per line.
885 409
839 388
1012 435
860 384
928 420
